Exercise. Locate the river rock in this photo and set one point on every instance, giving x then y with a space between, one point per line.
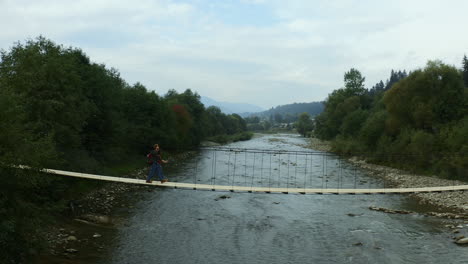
223 197
462 241
389 211
71 250
99 219
71 238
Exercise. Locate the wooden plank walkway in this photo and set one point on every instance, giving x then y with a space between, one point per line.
258 189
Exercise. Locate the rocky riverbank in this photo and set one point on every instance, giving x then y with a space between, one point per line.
87 231
455 202
320 145
451 205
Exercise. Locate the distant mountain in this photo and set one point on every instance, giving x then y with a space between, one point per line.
292 110
231 108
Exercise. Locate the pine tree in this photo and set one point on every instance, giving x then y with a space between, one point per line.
465 71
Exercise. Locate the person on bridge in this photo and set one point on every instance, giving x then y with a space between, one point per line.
156 161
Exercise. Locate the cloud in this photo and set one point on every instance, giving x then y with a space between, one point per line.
262 52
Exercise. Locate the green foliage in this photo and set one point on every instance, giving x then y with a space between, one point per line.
252 120
416 121
23 203
224 139
372 129
304 125
465 71
427 97
354 82
218 123
343 145
289 113
341 103
46 79
353 122
60 110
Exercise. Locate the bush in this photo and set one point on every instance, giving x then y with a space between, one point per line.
372 129
353 122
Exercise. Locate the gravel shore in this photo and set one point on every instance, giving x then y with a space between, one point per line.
456 201
83 233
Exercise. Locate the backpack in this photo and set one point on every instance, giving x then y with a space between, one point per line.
149 157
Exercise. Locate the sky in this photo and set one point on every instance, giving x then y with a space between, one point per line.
262 52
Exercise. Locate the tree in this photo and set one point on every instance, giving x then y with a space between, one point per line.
304 125
426 98
373 128
465 71
60 110
252 120
353 122
25 195
354 82
278 118
46 77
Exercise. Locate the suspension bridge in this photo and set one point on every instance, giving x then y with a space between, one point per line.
270 171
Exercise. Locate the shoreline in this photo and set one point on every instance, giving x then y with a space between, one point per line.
87 231
453 201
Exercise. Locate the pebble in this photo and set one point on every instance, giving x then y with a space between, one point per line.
462 241
71 250
71 238
223 197
454 200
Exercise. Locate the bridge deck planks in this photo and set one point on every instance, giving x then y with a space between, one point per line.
258 189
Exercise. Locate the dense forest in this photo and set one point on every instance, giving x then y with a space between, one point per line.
417 120
58 109
284 115
290 112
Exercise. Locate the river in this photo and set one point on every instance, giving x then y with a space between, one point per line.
190 226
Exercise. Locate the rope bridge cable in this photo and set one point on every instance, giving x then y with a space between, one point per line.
319 172
256 189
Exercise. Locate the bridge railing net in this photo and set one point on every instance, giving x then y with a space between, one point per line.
291 169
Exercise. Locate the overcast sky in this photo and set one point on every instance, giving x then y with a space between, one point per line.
263 52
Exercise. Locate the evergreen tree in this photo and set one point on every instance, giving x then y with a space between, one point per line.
465 71
394 78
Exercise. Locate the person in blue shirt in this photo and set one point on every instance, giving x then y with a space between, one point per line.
156 165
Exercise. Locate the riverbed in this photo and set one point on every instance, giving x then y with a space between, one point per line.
189 226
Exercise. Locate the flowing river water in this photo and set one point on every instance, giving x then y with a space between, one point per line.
189 226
